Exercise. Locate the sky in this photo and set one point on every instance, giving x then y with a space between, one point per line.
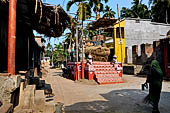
73 9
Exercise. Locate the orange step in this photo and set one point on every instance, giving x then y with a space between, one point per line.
106 72
109 80
104 69
107 75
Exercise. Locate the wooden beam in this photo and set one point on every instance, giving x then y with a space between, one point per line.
11 36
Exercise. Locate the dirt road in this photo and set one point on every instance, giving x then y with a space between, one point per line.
87 97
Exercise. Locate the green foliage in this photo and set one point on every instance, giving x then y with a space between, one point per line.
48 52
97 5
108 12
84 11
85 6
125 12
138 10
160 10
60 53
71 2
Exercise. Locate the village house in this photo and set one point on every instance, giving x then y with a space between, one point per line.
25 48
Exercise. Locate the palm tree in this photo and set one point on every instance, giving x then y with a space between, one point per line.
138 10
97 6
86 6
109 12
125 12
84 9
160 10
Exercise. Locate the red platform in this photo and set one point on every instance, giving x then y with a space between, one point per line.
102 72
72 67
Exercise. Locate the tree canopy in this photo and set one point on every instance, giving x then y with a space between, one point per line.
159 11
85 6
108 12
138 10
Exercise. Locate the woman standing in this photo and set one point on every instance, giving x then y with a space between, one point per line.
154 79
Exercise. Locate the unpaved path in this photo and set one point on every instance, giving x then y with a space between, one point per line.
80 97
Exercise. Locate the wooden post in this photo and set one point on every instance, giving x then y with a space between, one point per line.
11 36
120 35
82 64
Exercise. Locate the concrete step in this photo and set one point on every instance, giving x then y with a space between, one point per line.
25 111
109 80
29 94
105 69
50 108
6 108
106 75
101 63
39 100
105 66
106 72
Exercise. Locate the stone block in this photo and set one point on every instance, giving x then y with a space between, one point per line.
50 108
25 111
138 69
129 69
21 94
7 85
6 108
29 94
39 103
132 69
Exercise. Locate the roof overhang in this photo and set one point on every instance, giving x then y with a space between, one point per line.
50 20
103 23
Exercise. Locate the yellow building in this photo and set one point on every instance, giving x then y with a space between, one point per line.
118 42
112 36
114 41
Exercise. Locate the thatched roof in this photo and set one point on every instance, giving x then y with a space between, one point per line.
46 19
102 23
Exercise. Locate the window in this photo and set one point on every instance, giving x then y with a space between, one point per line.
118 32
137 20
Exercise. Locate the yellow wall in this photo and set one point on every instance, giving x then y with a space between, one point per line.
117 45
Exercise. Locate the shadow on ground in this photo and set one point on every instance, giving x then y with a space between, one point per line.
120 101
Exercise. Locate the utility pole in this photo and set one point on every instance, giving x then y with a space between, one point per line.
82 42
120 35
11 36
52 63
66 51
77 53
82 64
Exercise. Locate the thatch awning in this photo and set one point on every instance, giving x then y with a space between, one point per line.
46 19
102 23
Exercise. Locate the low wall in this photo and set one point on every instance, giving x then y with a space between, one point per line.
8 84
